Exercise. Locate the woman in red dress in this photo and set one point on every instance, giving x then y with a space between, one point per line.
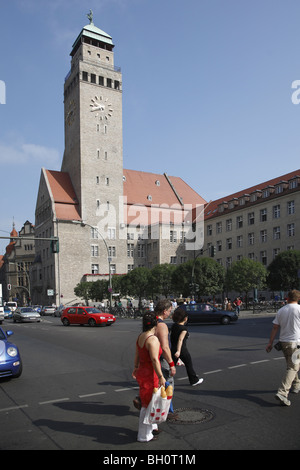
147 372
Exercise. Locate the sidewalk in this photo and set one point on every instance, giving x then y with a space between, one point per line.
249 313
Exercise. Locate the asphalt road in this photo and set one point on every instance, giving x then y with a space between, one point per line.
76 391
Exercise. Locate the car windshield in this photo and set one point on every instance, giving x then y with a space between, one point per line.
26 309
93 310
2 335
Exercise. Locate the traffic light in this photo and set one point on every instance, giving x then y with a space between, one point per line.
54 246
213 251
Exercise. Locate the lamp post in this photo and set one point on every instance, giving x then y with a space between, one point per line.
83 224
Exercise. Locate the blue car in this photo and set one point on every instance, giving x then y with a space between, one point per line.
7 312
10 359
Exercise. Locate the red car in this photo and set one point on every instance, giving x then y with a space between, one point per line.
86 315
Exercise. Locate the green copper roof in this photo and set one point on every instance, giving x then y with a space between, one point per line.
93 32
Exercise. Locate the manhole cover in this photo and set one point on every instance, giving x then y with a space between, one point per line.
192 416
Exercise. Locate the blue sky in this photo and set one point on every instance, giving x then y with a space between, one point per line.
207 91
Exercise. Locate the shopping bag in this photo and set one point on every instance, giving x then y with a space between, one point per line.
158 408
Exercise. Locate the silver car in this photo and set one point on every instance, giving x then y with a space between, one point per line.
26 314
48 310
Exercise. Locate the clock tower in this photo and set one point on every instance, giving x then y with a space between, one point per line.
93 154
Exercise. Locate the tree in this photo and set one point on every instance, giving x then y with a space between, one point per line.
283 271
209 275
98 290
138 282
181 278
82 290
161 276
245 275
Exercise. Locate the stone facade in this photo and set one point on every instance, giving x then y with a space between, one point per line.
257 223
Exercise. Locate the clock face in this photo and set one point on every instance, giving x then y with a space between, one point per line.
71 111
101 107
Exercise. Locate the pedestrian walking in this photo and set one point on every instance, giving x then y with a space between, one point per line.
179 335
163 310
237 303
287 320
147 371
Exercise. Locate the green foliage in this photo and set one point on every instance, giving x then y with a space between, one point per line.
209 275
138 282
245 275
83 290
283 271
161 279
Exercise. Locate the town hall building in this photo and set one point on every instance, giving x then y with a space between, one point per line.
104 219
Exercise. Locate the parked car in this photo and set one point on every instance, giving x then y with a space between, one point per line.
10 359
26 314
48 310
1 314
7 312
58 311
86 315
37 308
206 313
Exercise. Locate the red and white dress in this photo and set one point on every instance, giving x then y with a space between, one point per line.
147 380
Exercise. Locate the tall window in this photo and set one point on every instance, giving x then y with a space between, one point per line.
263 215
291 207
95 268
276 211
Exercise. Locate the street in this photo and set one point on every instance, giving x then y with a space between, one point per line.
76 390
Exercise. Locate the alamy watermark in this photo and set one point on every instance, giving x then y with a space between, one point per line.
177 222
2 92
296 94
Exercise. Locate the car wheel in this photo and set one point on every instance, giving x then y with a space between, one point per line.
225 320
65 322
92 322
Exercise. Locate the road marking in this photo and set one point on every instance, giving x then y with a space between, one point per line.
57 400
14 408
212 371
92 394
235 367
259 362
124 389
53 401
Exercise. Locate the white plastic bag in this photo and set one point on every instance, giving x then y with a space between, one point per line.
158 408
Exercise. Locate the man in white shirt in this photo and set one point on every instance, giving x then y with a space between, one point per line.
288 321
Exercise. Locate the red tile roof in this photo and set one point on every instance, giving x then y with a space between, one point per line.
211 209
147 190
156 194
66 203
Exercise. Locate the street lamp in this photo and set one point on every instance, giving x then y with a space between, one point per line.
83 224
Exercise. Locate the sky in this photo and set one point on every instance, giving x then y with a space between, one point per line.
211 91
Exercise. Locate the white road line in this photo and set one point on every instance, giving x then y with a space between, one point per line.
259 362
57 400
53 401
14 408
92 394
124 389
235 367
212 371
